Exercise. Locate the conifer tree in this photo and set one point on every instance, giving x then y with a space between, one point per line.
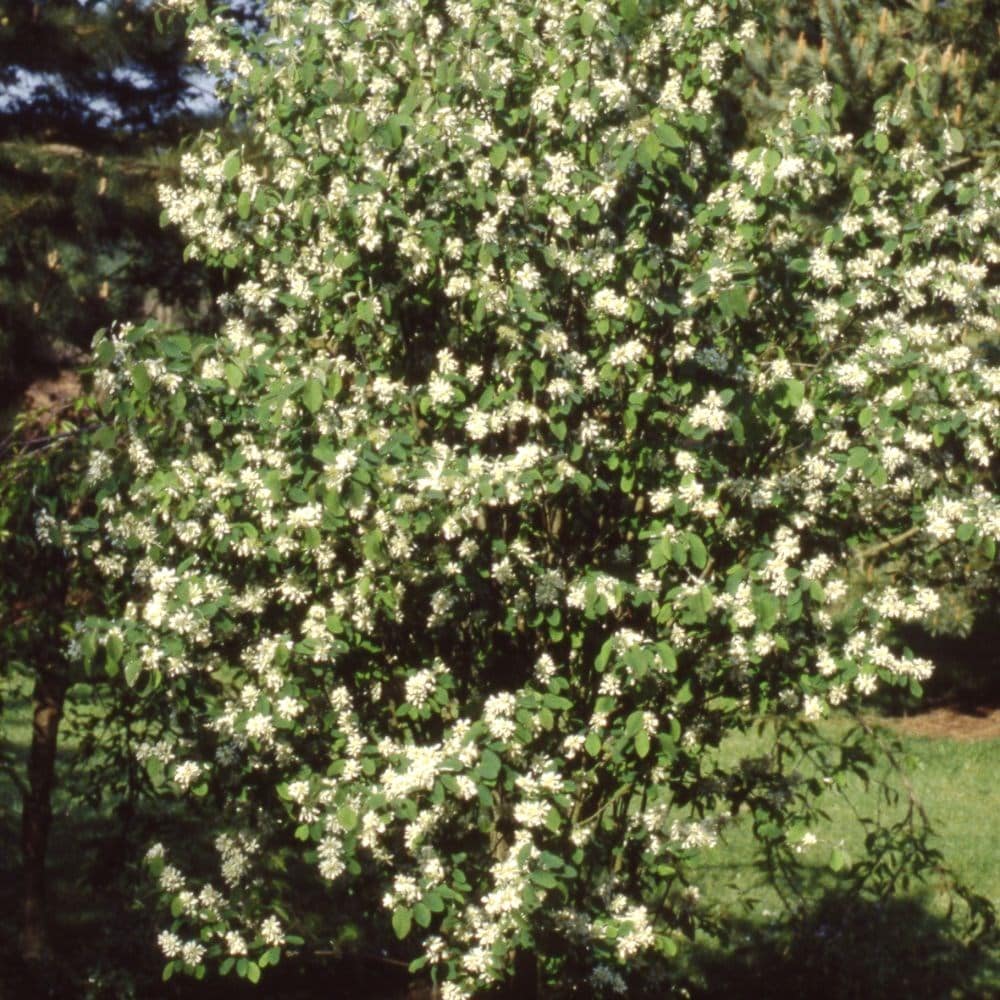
94 99
865 48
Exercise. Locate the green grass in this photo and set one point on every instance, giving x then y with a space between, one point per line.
832 943
832 946
955 783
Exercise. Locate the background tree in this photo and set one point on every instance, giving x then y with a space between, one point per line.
39 591
953 51
95 101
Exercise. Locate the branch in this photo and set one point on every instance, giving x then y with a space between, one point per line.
35 445
874 550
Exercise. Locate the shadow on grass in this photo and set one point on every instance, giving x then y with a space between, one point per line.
103 926
838 947
845 948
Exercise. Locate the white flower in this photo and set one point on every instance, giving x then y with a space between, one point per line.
710 413
235 944
812 708
271 932
170 944
260 727
611 303
531 813
192 952
187 773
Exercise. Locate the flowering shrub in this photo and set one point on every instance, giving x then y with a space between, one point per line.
528 466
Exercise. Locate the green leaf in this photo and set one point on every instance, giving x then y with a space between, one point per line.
660 555
634 722
642 744
312 395
648 150
347 817
141 380
498 156
234 376
629 9
669 136
115 648
395 130
544 879
243 205
401 922
154 768
857 457
253 972
422 914
882 142
699 554
231 166
667 946
489 766
592 744
733 302
862 195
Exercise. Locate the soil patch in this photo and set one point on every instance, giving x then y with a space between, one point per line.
37 402
949 722
47 395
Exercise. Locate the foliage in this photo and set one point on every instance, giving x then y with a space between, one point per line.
543 433
82 244
38 463
78 66
946 57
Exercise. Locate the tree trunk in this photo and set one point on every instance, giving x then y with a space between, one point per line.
524 983
36 815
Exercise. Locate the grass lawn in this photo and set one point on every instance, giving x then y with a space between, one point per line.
834 946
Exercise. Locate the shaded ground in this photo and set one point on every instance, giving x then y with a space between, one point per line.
51 392
43 395
844 948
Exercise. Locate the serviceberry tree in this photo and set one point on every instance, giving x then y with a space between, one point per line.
530 464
